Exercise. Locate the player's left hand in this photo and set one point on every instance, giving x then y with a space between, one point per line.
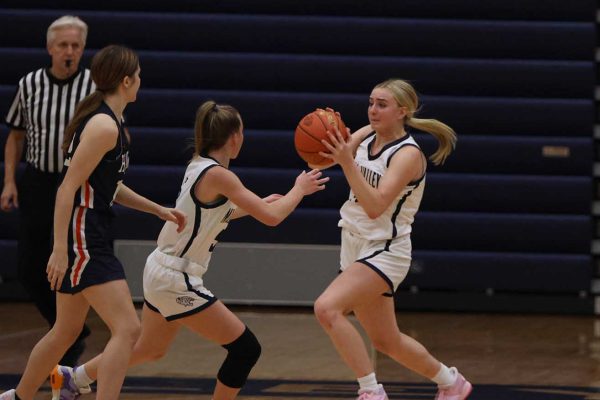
175 216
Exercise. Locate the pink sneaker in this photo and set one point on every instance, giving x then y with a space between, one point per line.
459 390
378 395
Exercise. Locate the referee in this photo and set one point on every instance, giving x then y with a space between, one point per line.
43 104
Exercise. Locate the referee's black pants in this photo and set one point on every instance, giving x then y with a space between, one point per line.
37 195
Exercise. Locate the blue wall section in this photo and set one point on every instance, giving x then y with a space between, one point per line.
509 211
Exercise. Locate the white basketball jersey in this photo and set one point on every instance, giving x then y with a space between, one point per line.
396 220
204 221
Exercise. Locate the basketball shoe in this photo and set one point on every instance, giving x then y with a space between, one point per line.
9 395
377 395
459 390
62 381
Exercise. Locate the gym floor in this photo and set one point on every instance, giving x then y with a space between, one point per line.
506 357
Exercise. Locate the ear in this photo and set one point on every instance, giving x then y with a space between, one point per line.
234 138
402 112
127 82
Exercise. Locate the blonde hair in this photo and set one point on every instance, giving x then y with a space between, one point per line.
406 96
66 21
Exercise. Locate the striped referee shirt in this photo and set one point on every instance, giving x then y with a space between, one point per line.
42 107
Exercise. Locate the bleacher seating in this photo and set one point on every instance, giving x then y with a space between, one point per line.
514 78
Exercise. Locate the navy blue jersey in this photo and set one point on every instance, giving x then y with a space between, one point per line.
100 189
91 257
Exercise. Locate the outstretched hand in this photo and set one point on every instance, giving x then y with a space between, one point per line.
173 215
311 182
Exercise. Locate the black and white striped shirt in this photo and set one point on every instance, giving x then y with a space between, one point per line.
43 106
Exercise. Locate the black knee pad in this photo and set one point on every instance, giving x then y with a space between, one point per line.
242 354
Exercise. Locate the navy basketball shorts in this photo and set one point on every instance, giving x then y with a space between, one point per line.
91 257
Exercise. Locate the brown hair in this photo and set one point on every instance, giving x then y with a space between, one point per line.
214 124
109 66
406 96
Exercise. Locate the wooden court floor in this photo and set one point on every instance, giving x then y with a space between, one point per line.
507 357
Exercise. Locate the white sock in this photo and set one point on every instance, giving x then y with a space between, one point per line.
368 383
81 377
445 376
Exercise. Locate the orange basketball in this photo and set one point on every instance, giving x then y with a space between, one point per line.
312 129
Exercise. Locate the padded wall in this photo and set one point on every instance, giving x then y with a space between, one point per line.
514 78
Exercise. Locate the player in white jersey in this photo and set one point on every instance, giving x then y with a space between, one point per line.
211 195
385 169
381 243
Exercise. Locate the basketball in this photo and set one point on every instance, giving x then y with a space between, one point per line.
312 129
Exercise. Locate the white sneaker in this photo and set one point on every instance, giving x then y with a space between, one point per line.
10 395
62 381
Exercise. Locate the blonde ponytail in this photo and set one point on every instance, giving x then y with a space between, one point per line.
406 96
445 136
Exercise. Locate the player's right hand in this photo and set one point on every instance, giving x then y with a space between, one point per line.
339 148
9 198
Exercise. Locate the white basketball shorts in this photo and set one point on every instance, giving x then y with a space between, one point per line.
389 258
171 291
